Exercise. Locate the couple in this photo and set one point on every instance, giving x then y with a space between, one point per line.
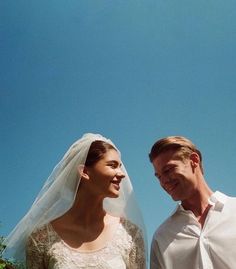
86 217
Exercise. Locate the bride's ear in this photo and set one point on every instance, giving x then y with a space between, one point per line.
83 171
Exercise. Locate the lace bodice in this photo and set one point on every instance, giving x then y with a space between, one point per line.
46 250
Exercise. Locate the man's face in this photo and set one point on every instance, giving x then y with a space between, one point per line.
176 176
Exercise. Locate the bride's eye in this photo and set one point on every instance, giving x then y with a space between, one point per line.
113 164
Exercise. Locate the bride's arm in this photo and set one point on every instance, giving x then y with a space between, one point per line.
34 253
137 254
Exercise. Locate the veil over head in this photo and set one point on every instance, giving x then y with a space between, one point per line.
58 194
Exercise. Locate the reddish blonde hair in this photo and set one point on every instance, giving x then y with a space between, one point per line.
181 144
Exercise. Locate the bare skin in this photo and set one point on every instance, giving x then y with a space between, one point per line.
86 229
183 181
86 226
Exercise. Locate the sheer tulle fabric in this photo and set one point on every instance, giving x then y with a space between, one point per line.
58 194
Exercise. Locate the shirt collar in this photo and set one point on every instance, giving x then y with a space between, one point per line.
217 200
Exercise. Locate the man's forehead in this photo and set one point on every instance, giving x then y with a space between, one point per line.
165 158
166 155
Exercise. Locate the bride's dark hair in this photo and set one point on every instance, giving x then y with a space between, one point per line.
96 151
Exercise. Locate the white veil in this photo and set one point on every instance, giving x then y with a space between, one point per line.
58 194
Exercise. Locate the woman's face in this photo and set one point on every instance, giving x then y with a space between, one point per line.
105 176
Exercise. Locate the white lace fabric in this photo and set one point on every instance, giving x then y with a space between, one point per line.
45 249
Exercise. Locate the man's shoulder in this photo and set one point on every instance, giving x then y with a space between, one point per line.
167 225
224 198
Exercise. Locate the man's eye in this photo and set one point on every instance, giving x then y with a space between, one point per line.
168 170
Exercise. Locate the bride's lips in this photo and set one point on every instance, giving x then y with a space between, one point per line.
116 184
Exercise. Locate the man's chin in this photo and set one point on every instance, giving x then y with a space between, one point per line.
175 198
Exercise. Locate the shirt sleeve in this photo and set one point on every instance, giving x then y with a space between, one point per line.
155 256
34 253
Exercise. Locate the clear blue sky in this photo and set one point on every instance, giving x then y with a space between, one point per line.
131 70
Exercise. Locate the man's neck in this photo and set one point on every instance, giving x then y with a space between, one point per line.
199 205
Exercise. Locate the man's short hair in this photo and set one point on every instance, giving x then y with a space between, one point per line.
179 143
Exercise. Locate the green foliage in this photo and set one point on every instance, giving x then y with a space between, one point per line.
2 266
5 263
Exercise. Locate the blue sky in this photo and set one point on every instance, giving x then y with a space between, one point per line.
134 71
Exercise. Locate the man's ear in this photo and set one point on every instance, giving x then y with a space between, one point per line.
83 171
195 159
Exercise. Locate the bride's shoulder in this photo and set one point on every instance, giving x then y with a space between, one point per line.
39 234
129 226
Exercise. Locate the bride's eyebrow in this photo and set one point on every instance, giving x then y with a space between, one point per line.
114 162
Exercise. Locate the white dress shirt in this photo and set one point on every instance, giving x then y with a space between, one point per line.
181 243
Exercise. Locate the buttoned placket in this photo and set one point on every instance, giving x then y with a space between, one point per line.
204 247
204 244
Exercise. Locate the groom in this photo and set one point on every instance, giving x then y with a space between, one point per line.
201 233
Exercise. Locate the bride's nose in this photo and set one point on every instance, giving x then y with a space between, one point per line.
120 174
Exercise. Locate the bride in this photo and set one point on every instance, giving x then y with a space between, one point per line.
85 216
